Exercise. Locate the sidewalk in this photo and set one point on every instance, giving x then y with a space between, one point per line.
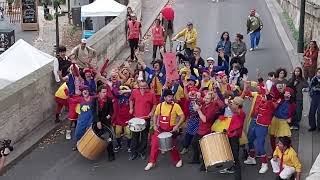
309 143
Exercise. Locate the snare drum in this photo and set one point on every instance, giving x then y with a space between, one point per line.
137 124
216 152
165 141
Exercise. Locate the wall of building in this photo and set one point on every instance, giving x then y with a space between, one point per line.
27 103
312 16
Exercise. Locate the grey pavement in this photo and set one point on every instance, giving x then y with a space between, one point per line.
57 162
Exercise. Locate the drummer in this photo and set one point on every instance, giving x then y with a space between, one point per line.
165 120
208 112
102 117
234 133
142 105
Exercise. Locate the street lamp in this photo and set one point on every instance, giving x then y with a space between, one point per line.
300 47
56 5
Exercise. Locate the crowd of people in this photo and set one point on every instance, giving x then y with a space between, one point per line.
207 97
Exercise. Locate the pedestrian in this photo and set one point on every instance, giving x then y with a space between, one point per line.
134 34
192 119
165 120
158 38
238 50
234 133
156 77
128 18
86 115
73 81
310 60
142 105
208 113
283 114
122 115
297 83
189 35
234 75
102 118
61 98
62 63
285 162
167 23
196 61
84 55
254 26
263 112
314 121
224 44
271 80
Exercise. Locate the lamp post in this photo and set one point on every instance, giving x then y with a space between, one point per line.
300 47
56 4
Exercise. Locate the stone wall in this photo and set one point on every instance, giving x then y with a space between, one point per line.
312 16
111 39
27 103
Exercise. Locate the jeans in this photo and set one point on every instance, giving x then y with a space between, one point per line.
187 140
314 108
140 140
188 52
235 147
260 133
298 114
255 39
154 54
133 43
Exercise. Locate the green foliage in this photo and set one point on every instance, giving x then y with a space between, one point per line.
294 31
10 1
50 17
72 30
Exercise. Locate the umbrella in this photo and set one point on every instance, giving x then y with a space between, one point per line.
168 13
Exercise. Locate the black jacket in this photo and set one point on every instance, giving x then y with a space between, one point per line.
101 114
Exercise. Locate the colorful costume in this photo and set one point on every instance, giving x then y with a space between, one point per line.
85 118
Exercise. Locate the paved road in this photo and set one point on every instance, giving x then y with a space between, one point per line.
57 161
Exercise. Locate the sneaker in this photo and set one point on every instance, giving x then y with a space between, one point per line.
116 149
179 164
143 156
264 168
256 47
132 157
149 166
68 134
129 150
226 171
250 161
251 49
294 128
184 151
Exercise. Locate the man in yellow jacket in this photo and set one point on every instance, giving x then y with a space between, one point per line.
189 35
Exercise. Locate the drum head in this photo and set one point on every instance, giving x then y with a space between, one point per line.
104 133
164 135
137 121
220 166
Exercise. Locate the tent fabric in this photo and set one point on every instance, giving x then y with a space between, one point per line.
20 60
102 8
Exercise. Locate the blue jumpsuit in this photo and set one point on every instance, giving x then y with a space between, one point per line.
85 118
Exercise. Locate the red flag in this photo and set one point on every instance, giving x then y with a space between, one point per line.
171 66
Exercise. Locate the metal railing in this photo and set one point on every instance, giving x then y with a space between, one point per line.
13 12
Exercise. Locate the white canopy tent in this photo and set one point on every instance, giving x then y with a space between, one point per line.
102 8
20 60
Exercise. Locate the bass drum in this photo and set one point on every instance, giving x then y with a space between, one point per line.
91 145
216 152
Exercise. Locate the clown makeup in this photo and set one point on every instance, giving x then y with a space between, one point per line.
156 66
224 79
85 93
205 76
88 76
